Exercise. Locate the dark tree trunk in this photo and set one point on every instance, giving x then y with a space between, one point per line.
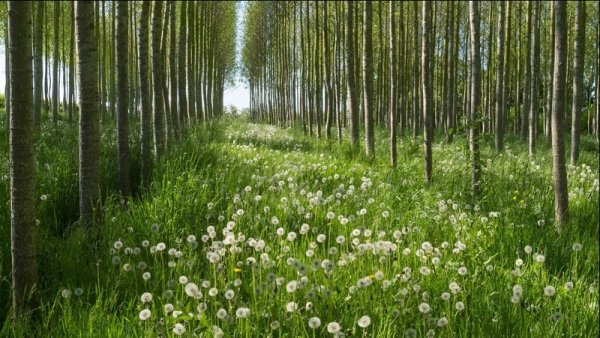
146 115
123 99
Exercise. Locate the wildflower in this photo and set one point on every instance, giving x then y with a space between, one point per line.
459 306
242 312
442 322
221 314
78 292
314 322
577 247
179 329
274 325
146 297
568 286
168 308
229 294
192 290
146 275
549 291
333 327
291 307
445 296
424 308
292 286
66 293
364 321
144 314
462 271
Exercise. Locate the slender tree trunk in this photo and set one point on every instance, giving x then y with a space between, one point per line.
21 164
55 64
527 86
89 133
499 137
123 99
393 89
350 77
183 113
157 79
533 96
146 114
548 120
559 171
173 68
368 78
427 77
416 85
578 63
71 64
37 60
475 97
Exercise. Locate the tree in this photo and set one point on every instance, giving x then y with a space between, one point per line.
55 62
533 95
392 77
22 175
427 77
474 123
499 137
145 123
123 98
173 69
368 78
350 78
37 61
157 79
559 171
89 120
578 63
181 86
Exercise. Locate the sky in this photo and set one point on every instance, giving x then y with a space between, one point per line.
237 96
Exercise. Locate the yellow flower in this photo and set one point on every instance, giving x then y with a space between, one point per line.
237 270
371 277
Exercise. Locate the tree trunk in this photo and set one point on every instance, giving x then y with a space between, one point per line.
123 99
499 137
173 69
350 77
89 134
22 164
475 97
393 89
578 63
182 66
427 77
559 172
368 78
55 65
533 95
146 115
157 79
37 61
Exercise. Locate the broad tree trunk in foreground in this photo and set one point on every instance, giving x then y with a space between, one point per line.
475 96
578 63
22 175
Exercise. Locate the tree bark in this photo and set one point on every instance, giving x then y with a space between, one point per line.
123 99
578 63
37 61
368 78
392 79
427 79
22 164
55 64
475 97
499 137
350 77
157 79
146 115
89 134
559 171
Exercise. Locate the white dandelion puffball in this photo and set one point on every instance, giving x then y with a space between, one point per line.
221 314
291 307
364 321
568 286
179 329
274 325
445 296
144 314
424 308
168 308
442 322
146 297
333 327
242 312
577 247
462 271
549 291
191 289
459 306
314 322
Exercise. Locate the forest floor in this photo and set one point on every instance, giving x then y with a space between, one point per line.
253 230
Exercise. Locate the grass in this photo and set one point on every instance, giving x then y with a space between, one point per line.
290 223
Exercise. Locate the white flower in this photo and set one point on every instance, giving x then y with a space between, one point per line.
146 275
517 290
314 322
274 325
168 308
424 308
528 249
462 271
179 329
66 293
144 314
445 296
442 322
540 258
333 327
364 321
549 291
221 314
242 312
192 290
519 262
577 247
146 297
78 292
568 286
459 306
292 286
291 307
229 294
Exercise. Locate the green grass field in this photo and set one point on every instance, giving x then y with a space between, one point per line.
250 230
